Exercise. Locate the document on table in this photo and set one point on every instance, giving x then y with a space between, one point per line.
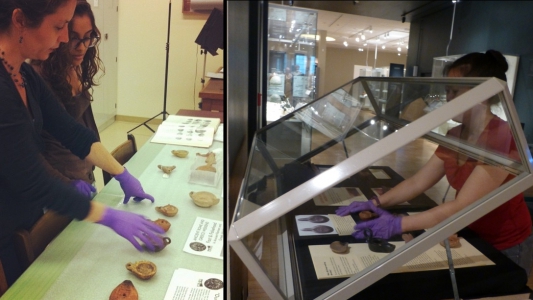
343 225
314 225
339 197
206 238
187 131
331 265
192 285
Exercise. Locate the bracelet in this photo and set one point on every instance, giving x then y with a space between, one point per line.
377 200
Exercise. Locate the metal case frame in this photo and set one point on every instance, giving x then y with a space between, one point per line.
243 224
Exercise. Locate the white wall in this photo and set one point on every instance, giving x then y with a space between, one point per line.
142 30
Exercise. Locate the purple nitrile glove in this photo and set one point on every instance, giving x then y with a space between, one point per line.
131 226
83 187
132 187
355 207
383 227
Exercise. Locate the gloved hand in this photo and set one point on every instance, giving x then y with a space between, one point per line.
132 187
355 207
132 226
83 187
383 227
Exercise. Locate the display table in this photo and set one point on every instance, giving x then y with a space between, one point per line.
503 278
87 261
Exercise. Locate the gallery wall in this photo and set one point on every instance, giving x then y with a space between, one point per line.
340 63
480 25
142 33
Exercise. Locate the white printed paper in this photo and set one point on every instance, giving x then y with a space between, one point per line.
343 225
332 265
191 285
339 197
187 131
206 238
314 225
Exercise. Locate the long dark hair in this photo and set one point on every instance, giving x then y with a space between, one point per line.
55 69
34 11
489 64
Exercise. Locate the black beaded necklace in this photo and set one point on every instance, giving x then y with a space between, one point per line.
9 68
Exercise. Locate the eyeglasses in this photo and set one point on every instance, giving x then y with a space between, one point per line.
89 42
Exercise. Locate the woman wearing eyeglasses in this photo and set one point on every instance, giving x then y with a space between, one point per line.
33 30
70 72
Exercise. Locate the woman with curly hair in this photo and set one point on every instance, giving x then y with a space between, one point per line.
33 30
70 72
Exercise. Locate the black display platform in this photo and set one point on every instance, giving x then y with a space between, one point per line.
504 278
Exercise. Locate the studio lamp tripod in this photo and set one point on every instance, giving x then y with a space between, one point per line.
164 112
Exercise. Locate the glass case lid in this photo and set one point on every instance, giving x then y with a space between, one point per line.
352 128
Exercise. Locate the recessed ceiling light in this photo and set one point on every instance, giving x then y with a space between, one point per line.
330 39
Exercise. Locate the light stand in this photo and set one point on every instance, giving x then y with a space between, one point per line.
211 37
164 112
205 60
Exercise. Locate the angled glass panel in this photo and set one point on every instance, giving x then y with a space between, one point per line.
363 139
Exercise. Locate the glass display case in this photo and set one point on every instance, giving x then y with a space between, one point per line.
354 150
291 77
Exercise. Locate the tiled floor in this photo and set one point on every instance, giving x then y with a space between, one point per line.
115 134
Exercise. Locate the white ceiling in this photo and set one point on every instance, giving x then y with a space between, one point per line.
346 27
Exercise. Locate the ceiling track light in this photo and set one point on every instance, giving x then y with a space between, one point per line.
362 32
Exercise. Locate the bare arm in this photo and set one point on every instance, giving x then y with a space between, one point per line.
101 158
425 178
483 180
